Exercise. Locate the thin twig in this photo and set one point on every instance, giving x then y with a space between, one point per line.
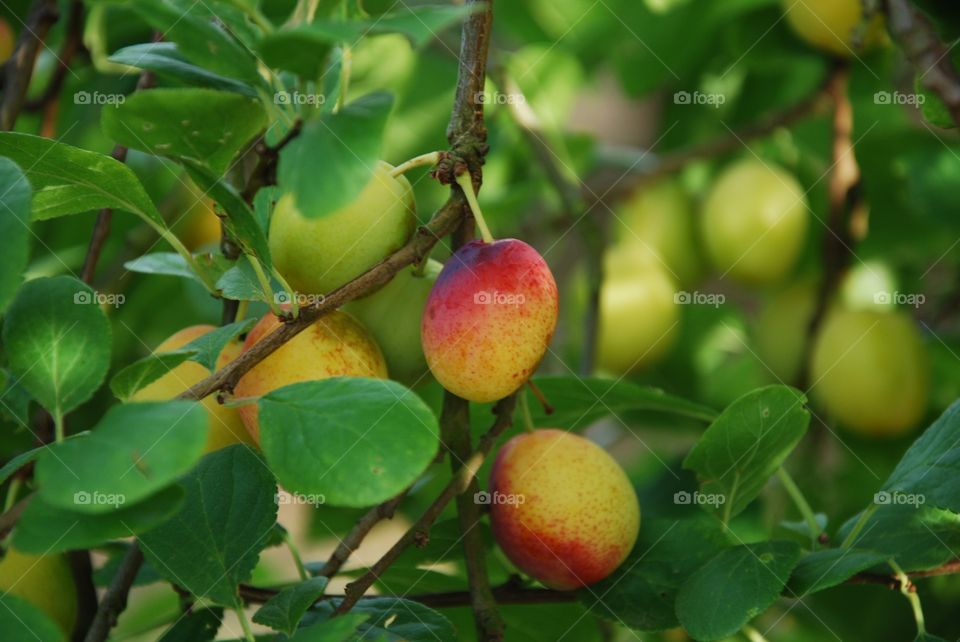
72 45
115 599
18 70
361 529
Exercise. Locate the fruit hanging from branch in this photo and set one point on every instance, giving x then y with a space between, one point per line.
835 26
45 581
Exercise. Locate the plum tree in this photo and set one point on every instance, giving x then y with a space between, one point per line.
336 345
317 255
45 581
393 315
562 509
225 425
754 222
869 369
836 26
489 319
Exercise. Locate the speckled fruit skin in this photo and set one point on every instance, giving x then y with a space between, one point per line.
318 255
579 517
489 319
336 345
43 580
755 221
830 24
870 370
225 426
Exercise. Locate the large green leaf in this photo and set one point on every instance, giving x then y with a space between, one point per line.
743 448
346 145
918 538
200 625
21 621
355 441
142 373
57 341
14 228
339 629
134 451
394 620
214 541
206 126
165 60
67 179
734 587
284 611
826 568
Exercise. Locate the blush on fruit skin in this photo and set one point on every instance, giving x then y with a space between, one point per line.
489 319
574 516
335 345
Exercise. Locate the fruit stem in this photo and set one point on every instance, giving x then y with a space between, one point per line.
294 302
466 184
801 503
906 587
547 408
525 409
297 560
241 310
430 158
864 518
247 631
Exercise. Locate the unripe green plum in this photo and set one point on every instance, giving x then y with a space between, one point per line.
393 315
869 369
755 222
561 508
869 286
831 25
782 328
318 255
45 581
489 319
224 425
336 345
660 219
639 318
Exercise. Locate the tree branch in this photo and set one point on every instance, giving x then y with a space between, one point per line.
364 525
72 45
18 70
115 599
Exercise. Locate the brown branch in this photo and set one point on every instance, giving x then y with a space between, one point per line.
419 532
81 568
18 70
364 525
893 583
72 45
115 599
918 38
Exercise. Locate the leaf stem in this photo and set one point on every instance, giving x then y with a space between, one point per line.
466 184
297 560
267 288
58 425
910 592
801 503
864 518
245 623
294 299
346 57
430 158
12 492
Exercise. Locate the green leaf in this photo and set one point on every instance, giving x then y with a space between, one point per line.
21 621
173 264
743 448
202 41
14 229
395 620
930 469
57 341
206 126
165 60
347 146
301 50
213 542
44 529
240 283
339 629
67 180
355 441
642 591
734 587
200 625
918 538
134 451
284 611
142 373
207 348
826 568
